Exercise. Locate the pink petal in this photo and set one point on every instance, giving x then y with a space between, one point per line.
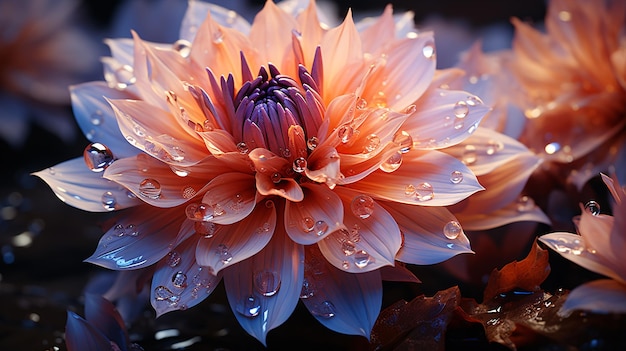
96 118
232 196
197 12
179 282
597 232
286 187
311 32
344 302
263 290
599 296
370 239
81 335
317 215
421 170
339 111
324 166
140 237
513 212
425 241
78 186
236 242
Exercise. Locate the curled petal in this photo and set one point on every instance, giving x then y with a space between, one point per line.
235 242
599 296
317 215
232 196
285 187
81 335
425 237
344 302
179 282
78 186
425 178
596 231
263 290
324 166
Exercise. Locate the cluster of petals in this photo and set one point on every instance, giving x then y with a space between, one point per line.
294 161
573 84
598 247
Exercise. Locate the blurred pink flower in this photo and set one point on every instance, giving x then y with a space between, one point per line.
299 182
599 248
573 88
42 52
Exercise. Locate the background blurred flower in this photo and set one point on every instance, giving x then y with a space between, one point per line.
42 52
599 248
296 182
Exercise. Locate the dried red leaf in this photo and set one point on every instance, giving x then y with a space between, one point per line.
526 274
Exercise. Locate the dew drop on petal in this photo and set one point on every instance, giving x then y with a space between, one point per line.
242 148
250 307
380 100
410 109
424 192
460 109
183 47
392 163
552 148
469 155
321 227
345 133
409 190
179 280
131 230
493 147
525 203
109 201
150 188
97 157
299 164
325 309
267 283
118 230
372 142
429 50
173 259
362 206
361 258
452 230
96 117
162 293
308 288
276 177
312 143
592 207
459 123
404 140
345 265
205 228
361 104
218 37
348 248
224 254
308 224
456 177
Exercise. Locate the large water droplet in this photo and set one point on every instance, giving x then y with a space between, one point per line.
345 133
424 192
183 47
312 143
361 258
321 227
409 190
207 229
525 203
173 259
469 155
592 207
392 163
575 246
372 142
460 109
404 140
299 164
308 224
242 148
97 157
267 283
179 280
308 288
348 248
552 148
161 293
452 230
362 206
493 146
456 177
121 78
361 104
429 50
109 201
250 306
224 254
150 188
325 309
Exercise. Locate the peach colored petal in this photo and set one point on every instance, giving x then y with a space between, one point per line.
339 112
231 244
232 196
311 29
370 239
197 12
596 231
377 36
287 188
598 296
264 290
513 212
317 215
219 142
424 178
324 166
78 186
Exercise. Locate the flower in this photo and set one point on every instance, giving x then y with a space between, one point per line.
573 81
599 248
298 182
41 53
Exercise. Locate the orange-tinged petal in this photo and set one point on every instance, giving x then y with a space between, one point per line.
376 37
513 212
317 215
283 187
232 196
311 32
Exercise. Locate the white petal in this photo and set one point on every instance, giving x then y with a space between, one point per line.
599 296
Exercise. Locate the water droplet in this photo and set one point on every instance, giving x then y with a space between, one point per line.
218 37
372 142
179 280
188 192
404 140
493 147
183 47
362 206
460 109
424 192
267 283
98 157
131 230
345 133
456 177
459 123
321 227
173 259
299 164
348 248
575 247
361 258
150 188
109 201
308 224
250 307
392 163
361 104
205 228
326 309
552 148
118 230
429 50
223 253
242 147
312 143
96 117
276 177
410 109
525 203
121 78
161 293
380 100
345 265
592 207
452 230
308 288
469 155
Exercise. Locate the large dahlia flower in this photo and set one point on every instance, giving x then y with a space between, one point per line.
573 84
599 246
290 159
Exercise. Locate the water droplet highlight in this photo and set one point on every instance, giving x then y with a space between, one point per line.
183 47
308 224
267 283
109 201
223 253
325 309
173 259
392 163
312 143
372 142
460 109
150 188
552 148
362 206
345 133
250 307
321 227
299 164
361 258
469 155
424 192
179 280
242 147
404 140
592 207
429 50
456 177
97 157
452 230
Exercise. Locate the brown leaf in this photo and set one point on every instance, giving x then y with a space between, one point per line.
526 274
